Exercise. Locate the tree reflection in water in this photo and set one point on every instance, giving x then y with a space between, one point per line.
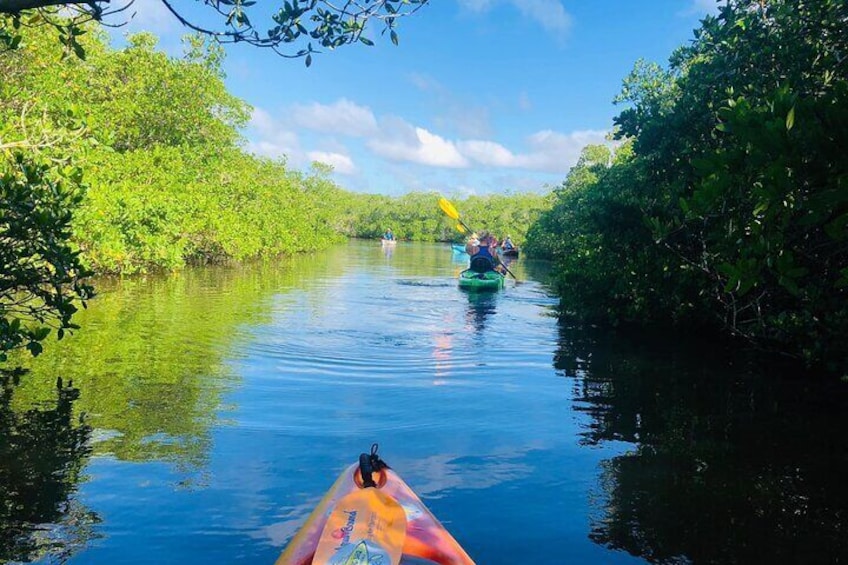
729 463
42 454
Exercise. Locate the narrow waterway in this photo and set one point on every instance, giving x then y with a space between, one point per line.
210 410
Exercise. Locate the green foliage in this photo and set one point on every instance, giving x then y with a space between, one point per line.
152 363
138 98
164 207
733 209
292 29
42 274
166 181
417 217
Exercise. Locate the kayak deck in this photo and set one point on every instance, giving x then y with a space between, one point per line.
490 280
341 528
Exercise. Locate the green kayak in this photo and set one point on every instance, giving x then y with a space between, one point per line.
490 280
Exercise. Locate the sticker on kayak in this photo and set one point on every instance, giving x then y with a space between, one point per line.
362 553
366 527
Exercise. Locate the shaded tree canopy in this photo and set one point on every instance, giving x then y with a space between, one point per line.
292 29
726 206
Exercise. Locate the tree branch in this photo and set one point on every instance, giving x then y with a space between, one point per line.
16 6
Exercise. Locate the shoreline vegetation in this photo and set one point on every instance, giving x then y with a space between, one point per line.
721 207
725 207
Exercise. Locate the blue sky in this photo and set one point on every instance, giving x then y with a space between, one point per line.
480 96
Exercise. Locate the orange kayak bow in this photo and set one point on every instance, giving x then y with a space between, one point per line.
371 516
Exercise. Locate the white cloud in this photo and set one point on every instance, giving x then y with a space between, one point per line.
550 14
550 151
557 152
401 141
395 140
341 117
487 153
341 164
262 120
272 140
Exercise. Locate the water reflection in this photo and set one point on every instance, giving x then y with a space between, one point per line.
42 453
728 464
388 250
458 257
481 305
149 357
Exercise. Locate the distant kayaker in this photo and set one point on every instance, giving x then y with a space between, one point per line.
483 253
389 236
507 244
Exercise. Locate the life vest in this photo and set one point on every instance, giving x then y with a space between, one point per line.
482 261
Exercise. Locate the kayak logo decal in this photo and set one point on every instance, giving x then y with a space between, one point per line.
359 555
343 533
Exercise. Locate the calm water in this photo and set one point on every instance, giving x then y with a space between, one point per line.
210 410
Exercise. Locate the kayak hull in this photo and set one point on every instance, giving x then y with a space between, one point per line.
490 280
388 242
458 248
426 540
510 252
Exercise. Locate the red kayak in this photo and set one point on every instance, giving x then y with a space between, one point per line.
370 516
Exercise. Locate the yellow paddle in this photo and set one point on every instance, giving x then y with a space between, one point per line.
453 214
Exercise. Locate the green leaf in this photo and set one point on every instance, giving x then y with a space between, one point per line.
790 118
394 36
78 50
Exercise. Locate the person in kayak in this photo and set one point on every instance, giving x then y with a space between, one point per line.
507 244
389 236
483 254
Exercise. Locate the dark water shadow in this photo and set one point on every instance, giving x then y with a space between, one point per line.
732 461
43 452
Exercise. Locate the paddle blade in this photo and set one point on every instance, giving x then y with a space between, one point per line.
461 229
448 208
365 527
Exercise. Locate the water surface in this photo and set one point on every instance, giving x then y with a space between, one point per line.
210 410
